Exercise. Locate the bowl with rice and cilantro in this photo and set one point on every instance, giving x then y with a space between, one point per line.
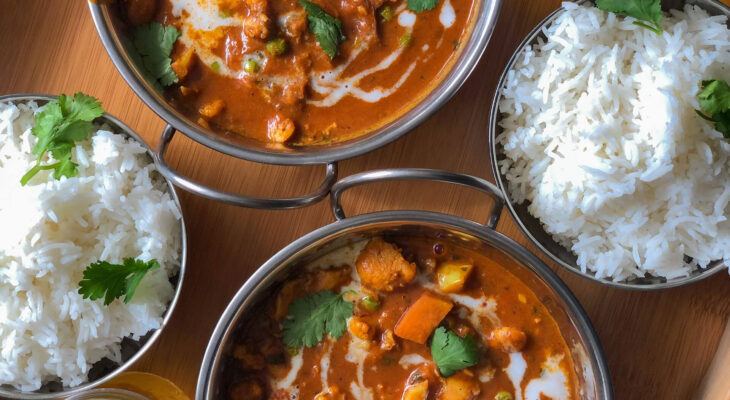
92 267
610 138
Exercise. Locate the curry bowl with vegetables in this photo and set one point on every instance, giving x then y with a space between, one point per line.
404 305
295 81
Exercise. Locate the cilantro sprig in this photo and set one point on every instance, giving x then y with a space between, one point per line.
154 44
58 127
453 353
715 104
111 281
421 5
326 28
315 314
647 12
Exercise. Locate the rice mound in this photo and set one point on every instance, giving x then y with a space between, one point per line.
601 136
117 207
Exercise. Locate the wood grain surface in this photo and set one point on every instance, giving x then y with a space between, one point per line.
658 344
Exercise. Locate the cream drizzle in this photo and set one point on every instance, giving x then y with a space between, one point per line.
516 372
357 352
291 376
447 16
325 364
408 360
551 383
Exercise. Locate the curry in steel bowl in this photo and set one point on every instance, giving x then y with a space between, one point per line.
402 317
294 71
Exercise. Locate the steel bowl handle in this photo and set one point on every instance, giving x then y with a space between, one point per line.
417 174
238 199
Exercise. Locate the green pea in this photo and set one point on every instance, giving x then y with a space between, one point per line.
276 47
251 66
406 40
292 351
370 303
386 12
215 66
503 396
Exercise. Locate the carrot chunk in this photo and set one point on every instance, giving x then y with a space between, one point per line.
422 317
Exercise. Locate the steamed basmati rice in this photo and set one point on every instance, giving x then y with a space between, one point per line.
117 207
601 137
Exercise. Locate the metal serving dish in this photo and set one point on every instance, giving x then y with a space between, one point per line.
531 226
132 350
592 370
116 40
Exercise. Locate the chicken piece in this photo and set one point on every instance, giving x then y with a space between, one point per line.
332 393
249 360
417 384
212 109
290 291
416 391
280 128
359 328
328 278
140 12
507 339
387 340
295 24
381 266
257 24
362 13
460 386
247 390
293 89
183 62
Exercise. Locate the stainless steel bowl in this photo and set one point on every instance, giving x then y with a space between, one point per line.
591 367
531 226
116 40
132 350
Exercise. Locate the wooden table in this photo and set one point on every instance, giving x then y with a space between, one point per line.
658 344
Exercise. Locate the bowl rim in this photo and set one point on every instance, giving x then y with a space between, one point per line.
118 128
255 283
482 30
494 148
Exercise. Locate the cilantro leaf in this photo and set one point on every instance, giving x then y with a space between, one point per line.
715 103
421 5
154 44
453 353
111 281
649 11
715 96
315 314
326 28
58 127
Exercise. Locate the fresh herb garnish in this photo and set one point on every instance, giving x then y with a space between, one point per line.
154 44
453 353
715 104
315 314
649 11
421 5
111 281
58 127
326 28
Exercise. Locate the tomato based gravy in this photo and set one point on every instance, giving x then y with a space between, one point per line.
404 319
255 67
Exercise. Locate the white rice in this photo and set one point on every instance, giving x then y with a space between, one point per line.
601 137
117 207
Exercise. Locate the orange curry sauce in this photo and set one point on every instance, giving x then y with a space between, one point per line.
521 349
302 97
